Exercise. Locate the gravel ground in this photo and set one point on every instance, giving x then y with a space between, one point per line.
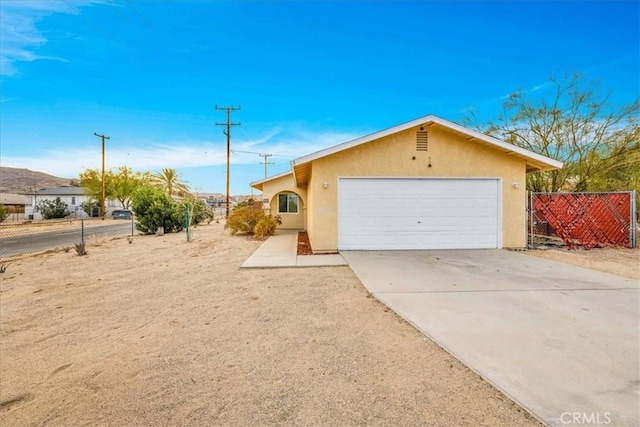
619 261
168 332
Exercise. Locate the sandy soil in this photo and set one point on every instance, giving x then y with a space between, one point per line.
168 332
621 262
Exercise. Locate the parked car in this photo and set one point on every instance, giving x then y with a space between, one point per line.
121 214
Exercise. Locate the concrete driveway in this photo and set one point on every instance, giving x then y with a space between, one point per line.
562 341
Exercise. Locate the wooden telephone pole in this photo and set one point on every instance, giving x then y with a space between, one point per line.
227 132
102 204
266 156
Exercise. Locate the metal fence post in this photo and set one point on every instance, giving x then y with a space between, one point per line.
633 237
82 231
531 225
186 219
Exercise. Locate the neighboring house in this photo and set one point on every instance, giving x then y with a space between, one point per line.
74 197
213 199
425 184
14 205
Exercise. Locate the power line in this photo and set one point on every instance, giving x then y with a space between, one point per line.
97 28
92 24
132 23
260 154
227 132
144 18
266 156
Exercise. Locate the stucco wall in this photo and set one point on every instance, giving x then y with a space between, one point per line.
286 184
450 155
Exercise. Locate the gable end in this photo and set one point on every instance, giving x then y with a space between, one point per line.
422 140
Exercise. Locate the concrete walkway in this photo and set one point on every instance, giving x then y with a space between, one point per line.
562 341
281 250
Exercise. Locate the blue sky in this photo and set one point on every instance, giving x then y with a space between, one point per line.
307 74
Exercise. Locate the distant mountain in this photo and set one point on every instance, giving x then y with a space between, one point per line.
13 180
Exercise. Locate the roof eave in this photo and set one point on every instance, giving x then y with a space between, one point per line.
537 160
258 185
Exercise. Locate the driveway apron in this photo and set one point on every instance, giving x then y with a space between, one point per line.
560 340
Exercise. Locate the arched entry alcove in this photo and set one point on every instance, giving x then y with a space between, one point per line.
291 208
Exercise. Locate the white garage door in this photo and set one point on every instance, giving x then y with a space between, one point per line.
409 213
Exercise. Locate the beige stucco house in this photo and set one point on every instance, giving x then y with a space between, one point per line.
425 184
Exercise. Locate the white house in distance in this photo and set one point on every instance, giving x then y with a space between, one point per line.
74 197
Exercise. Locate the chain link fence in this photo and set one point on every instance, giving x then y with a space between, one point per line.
19 236
28 237
589 220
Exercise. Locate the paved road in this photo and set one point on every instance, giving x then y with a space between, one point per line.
42 239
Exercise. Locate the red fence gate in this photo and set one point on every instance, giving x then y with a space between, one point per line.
590 220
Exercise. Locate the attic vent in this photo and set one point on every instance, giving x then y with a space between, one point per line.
422 140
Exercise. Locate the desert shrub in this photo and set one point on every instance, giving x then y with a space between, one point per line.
210 215
252 220
3 213
155 209
265 227
91 208
81 248
244 219
52 209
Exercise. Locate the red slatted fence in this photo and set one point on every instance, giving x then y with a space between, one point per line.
590 220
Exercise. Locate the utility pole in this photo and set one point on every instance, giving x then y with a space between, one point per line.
102 205
227 132
266 156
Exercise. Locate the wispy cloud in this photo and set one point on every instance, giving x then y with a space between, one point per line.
21 38
500 99
152 155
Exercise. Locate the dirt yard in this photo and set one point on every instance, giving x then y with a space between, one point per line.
621 262
168 332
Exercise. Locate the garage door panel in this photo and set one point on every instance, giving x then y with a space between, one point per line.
397 213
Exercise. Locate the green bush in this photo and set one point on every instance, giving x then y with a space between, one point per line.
52 209
3 213
154 209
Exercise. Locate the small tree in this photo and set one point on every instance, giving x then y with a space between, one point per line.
52 209
124 184
155 209
3 213
119 185
598 143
